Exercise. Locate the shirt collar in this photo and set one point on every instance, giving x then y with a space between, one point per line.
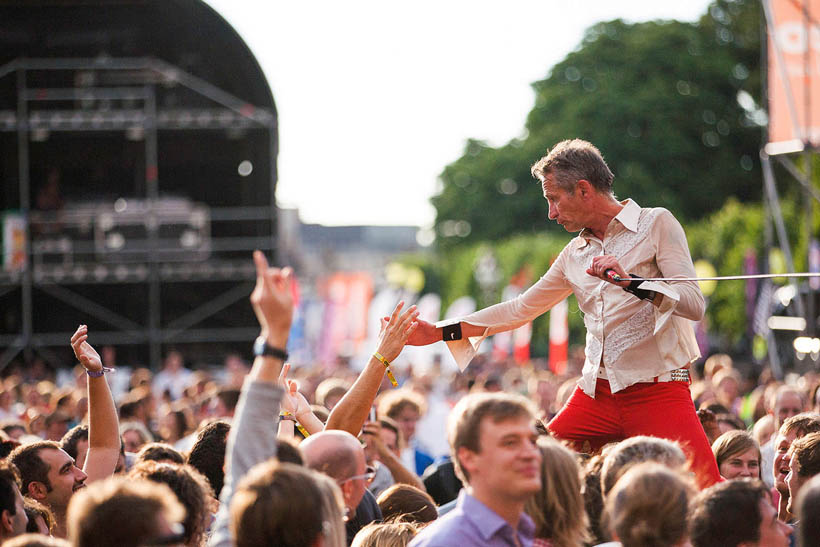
487 521
628 217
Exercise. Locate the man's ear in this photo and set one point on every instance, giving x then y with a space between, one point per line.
584 188
37 490
466 458
6 523
347 490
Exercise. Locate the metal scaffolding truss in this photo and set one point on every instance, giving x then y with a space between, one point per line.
782 153
130 104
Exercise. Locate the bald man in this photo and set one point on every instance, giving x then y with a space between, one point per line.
340 455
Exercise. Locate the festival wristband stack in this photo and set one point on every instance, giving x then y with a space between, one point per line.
386 364
285 415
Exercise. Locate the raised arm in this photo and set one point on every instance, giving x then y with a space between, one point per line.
103 424
253 434
351 411
296 404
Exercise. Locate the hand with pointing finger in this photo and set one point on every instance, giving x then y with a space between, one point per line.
272 300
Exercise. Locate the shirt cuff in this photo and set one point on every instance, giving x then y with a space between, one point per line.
465 349
669 301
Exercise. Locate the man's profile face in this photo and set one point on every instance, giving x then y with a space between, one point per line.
794 481
508 463
781 460
773 532
65 477
565 208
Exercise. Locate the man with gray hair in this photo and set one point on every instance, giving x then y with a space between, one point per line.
640 337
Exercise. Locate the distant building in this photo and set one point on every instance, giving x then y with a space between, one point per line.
315 250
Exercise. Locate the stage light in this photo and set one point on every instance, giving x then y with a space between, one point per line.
805 344
782 322
785 294
245 168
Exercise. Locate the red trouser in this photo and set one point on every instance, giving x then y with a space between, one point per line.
661 410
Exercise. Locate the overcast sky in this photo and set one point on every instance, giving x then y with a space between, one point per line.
376 97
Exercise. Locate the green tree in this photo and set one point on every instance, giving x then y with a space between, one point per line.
660 101
723 239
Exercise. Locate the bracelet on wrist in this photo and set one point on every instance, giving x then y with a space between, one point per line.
285 415
98 373
386 364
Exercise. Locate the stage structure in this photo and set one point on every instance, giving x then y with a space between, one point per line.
793 53
138 145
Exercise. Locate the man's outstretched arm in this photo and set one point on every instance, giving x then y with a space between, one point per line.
427 333
103 424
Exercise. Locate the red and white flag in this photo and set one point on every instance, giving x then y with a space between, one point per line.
559 337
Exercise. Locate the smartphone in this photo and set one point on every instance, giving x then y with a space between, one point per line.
372 416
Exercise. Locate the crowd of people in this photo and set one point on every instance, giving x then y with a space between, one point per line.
291 458
637 445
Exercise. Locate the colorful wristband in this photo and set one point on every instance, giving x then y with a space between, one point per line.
386 364
285 415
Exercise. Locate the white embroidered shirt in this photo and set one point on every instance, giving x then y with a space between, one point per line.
633 339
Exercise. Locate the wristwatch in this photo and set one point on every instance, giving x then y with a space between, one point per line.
261 347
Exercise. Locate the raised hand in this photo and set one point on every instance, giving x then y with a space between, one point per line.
396 331
292 401
272 300
86 355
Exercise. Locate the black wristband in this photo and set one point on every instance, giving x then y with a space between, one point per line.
261 348
452 332
643 294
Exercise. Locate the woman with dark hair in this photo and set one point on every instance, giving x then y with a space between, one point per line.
173 425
